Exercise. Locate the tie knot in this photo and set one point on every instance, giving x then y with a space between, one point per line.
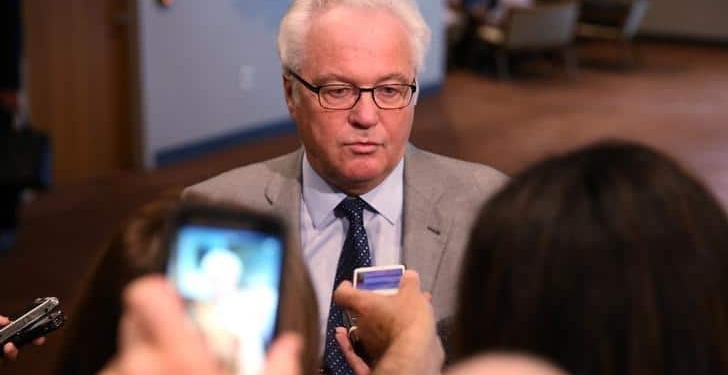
352 207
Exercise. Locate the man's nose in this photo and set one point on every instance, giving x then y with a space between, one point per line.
365 113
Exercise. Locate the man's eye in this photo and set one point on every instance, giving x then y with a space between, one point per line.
389 91
338 92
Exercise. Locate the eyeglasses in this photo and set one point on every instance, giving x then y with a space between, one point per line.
345 96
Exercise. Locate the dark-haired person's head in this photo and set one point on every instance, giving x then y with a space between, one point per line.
610 259
136 250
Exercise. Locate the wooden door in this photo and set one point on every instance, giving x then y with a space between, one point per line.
77 83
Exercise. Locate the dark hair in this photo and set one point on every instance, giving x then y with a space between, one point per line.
135 250
610 259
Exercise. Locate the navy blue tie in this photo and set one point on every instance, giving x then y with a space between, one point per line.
354 254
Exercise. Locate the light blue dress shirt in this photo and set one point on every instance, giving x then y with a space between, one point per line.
323 234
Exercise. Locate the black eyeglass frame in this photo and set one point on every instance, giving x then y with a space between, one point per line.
317 90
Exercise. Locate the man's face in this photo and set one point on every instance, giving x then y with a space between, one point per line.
354 149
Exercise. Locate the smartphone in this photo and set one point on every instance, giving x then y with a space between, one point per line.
227 266
378 279
35 312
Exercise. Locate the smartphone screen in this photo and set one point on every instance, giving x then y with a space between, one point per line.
379 279
227 268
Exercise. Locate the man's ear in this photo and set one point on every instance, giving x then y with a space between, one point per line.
289 94
417 93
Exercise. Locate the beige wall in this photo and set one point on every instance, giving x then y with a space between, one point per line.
702 19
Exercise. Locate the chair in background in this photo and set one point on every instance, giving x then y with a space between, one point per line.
456 25
539 28
617 20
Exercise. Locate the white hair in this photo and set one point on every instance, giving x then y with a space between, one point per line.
297 19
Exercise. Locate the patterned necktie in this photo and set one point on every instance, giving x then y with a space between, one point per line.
354 254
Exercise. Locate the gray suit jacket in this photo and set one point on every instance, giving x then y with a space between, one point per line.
442 197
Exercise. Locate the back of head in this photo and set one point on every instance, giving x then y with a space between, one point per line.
504 364
608 260
295 22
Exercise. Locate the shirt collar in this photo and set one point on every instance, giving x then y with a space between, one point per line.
321 198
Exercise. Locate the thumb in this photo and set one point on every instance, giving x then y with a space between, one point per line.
428 296
345 295
155 310
410 281
284 355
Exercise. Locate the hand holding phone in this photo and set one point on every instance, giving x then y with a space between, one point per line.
226 264
51 322
377 279
38 319
405 318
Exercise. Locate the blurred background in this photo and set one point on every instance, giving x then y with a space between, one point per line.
127 99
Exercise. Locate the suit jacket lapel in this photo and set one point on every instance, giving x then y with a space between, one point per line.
283 192
425 228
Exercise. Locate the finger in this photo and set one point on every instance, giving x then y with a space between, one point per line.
4 320
39 341
284 355
141 360
110 369
410 281
10 351
352 334
342 337
428 296
346 296
160 320
355 362
156 320
129 331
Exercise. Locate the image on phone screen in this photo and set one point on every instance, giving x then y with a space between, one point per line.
229 279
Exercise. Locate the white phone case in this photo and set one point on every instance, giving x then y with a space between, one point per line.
378 279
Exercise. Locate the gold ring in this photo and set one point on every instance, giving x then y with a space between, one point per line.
352 334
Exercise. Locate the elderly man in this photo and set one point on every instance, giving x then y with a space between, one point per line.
358 193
